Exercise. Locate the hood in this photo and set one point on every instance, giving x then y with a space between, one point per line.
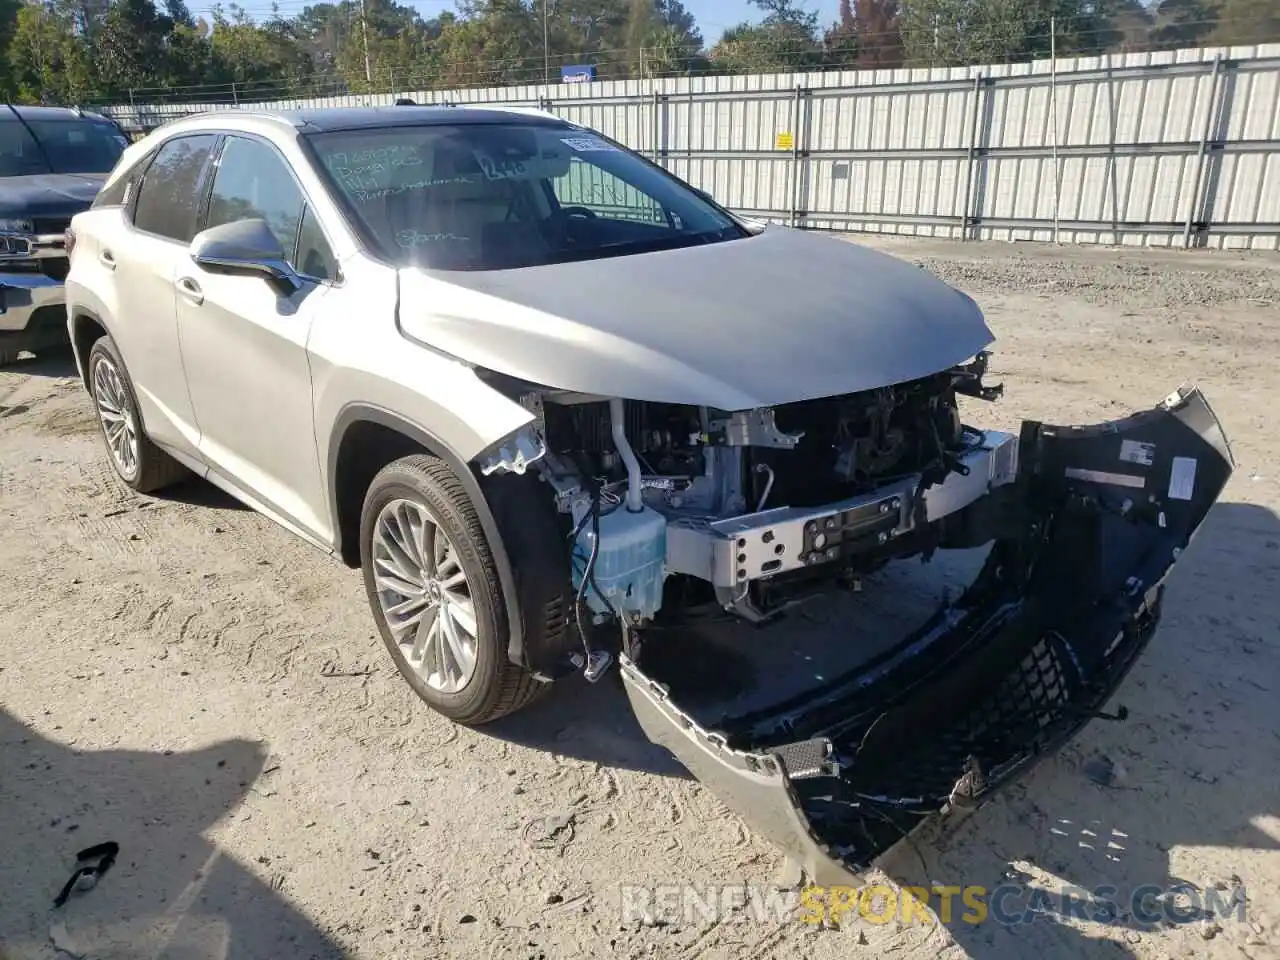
775 318
48 194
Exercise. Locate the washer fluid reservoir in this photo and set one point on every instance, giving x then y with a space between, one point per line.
630 563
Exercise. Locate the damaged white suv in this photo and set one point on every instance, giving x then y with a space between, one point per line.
551 399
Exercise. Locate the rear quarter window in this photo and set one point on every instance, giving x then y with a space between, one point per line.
120 191
169 194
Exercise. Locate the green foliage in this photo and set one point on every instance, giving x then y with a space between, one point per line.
93 51
247 55
1245 22
47 60
766 48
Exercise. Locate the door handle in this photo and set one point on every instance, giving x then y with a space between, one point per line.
191 290
107 259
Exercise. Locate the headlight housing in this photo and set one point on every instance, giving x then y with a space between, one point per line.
15 225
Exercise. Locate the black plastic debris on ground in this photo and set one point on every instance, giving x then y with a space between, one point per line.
91 863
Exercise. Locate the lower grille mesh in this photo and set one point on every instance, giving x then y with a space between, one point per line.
1035 706
1031 700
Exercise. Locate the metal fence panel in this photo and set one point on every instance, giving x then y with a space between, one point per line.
1169 149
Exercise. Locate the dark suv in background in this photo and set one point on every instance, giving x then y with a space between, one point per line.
53 161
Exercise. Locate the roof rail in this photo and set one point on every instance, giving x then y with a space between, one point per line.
527 111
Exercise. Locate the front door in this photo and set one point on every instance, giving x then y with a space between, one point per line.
244 346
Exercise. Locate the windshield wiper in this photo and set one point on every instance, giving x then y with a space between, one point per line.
34 139
630 247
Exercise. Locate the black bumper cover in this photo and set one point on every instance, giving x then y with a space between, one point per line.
1069 597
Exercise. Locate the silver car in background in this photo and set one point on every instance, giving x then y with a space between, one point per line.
562 409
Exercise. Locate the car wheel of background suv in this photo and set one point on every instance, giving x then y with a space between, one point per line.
434 590
137 461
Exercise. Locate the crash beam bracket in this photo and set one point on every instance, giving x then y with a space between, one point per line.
755 546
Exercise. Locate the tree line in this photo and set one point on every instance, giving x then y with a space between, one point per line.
112 51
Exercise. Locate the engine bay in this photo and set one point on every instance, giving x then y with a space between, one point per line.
800 454
673 511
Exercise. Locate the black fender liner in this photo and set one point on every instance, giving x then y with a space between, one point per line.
356 412
89 314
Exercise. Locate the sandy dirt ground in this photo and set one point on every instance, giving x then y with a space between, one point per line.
183 677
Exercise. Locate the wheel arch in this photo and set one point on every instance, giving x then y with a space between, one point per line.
364 439
86 328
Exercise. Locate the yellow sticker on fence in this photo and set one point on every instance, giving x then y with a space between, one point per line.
784 141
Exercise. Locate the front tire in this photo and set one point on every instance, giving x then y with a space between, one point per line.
433 588
137 461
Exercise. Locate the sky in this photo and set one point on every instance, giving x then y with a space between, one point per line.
714 16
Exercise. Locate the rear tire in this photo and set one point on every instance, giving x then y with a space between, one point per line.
137 461
430 577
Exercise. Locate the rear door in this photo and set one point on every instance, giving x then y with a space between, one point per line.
142 258
244 347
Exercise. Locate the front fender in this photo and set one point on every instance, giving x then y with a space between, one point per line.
359 355
358 412
363 368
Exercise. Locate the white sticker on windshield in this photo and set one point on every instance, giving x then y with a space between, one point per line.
587 144
525 167
501 168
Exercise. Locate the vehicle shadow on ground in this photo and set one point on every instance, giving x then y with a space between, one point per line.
53 364
171 893
1196 765
196 492
591 722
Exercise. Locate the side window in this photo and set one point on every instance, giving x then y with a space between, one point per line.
315 258
119 192
586 185
115 195
168 196
253 182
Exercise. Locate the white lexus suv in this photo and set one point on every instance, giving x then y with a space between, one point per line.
562 408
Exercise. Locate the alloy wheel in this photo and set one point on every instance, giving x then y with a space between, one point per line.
424 596
119 423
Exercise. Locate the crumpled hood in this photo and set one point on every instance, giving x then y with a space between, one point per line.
775 318
48 194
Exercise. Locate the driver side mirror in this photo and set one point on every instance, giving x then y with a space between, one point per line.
245 248
704 195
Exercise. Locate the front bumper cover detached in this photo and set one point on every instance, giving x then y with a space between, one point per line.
1068 598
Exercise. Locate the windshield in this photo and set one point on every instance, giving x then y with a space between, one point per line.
58 146
483 196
